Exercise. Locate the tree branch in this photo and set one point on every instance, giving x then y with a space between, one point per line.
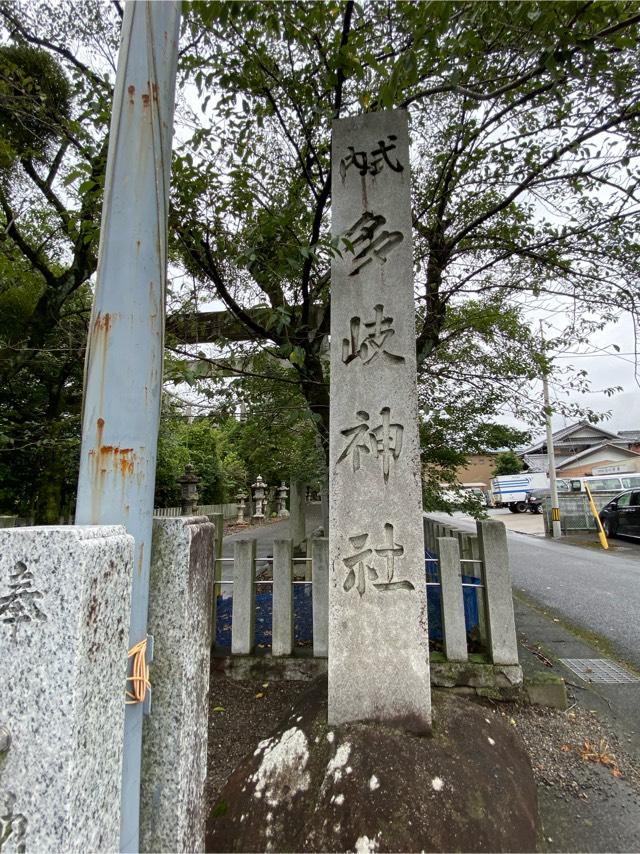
528 181
51 197
15 24
12 231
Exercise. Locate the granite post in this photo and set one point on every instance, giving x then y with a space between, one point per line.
217 520
174 741
320 595
378 640
453 622
503 644
297 526
65 595
243 615
282 608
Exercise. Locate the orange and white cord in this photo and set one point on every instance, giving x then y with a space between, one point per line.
139 674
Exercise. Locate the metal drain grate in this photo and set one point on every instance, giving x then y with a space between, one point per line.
599 670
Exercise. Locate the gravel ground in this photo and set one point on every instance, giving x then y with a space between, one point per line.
570 750
575 760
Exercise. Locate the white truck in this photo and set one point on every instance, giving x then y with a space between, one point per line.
510 490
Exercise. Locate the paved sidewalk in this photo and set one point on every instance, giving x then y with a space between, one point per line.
524 523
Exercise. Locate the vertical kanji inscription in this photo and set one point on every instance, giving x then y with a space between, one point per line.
377 592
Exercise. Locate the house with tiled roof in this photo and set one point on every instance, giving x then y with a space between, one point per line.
584 449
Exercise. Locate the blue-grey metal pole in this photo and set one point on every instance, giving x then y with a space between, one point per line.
123 374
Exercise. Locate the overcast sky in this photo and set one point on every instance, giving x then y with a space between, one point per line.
605 369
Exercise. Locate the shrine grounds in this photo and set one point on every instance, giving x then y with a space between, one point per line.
585 759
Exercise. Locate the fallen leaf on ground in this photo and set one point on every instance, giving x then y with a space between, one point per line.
600 752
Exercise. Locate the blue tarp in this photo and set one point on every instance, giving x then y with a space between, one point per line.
434 601
302 617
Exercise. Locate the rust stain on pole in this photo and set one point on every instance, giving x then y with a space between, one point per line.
124 362
105 460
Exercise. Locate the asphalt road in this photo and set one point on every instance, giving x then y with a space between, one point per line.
596 590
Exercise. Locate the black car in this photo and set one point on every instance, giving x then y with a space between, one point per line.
622 514
535 499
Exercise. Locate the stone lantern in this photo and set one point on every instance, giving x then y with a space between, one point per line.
259 495
283 491
241 499
189 490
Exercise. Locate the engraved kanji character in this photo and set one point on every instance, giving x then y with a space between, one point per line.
374 245
13 826
390 552
374 343
360 570
357 567
381 153
385 441
355 158
358 443
379 156
388 441
19 604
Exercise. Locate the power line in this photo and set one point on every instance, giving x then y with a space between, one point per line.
598 349
602 355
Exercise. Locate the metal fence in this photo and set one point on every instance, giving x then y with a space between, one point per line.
296 584
468 592
575 513
229 511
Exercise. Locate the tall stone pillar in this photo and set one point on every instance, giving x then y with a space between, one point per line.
65 597
378 641
174 756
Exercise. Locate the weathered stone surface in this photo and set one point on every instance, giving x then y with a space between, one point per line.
282 607
268 668
368 787
320 594
243 625
174 746
447 674
546 689
64 621
297 530
378 644
492 538
454 627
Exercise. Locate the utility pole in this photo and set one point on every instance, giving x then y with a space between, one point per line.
123 371
556 531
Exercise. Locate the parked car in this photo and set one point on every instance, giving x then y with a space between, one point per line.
622 514
535 498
